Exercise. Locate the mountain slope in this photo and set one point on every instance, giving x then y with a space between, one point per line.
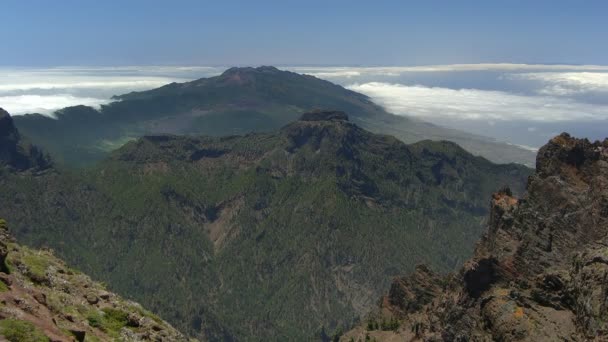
239 101
16 153
271 234
538 274
42 299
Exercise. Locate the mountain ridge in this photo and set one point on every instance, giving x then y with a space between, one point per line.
239 101
538 273
15 152
266 235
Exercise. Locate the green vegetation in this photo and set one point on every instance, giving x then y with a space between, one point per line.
240 101
109 320
390 325
36 263
272 234
21 331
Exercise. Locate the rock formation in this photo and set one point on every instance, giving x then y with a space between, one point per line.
540 273
16 153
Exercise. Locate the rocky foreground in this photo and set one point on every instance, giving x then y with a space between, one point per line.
42 299
540 273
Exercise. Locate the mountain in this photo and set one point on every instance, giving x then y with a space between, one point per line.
239 101
281 235
43 299
538 274
16 153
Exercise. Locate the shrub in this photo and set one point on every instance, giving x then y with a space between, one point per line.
16 330
109 320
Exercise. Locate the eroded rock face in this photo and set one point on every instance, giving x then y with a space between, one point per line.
409 294
540 273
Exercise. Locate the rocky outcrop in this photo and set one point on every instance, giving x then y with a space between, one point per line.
15 153
540 273
43 299
410 294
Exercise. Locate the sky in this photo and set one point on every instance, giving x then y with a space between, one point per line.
337 32
518 71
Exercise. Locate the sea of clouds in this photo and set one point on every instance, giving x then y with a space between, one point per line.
44 90
519 103
522 104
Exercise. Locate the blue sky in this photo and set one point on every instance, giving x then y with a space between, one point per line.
51 33
415 58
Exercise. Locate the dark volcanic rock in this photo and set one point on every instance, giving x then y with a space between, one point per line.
540 273
15 153
408 294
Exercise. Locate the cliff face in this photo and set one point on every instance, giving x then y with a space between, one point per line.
15 153
42 299
540 273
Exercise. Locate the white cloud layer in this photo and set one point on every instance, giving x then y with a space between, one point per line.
76 83
335 72
133 77
474 104
567 83
45 104
44 90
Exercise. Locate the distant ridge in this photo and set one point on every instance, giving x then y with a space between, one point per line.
239 101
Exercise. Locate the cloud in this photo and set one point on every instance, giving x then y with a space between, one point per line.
16 81
567 83
44 90
113 84
44 104
348 72
474 104
525 147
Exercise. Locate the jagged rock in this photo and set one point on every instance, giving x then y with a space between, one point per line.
479 276
16 153
540 273
408 294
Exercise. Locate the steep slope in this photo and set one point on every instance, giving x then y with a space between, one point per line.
239 101
15 153
42 299
270 234
538 274
41 198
